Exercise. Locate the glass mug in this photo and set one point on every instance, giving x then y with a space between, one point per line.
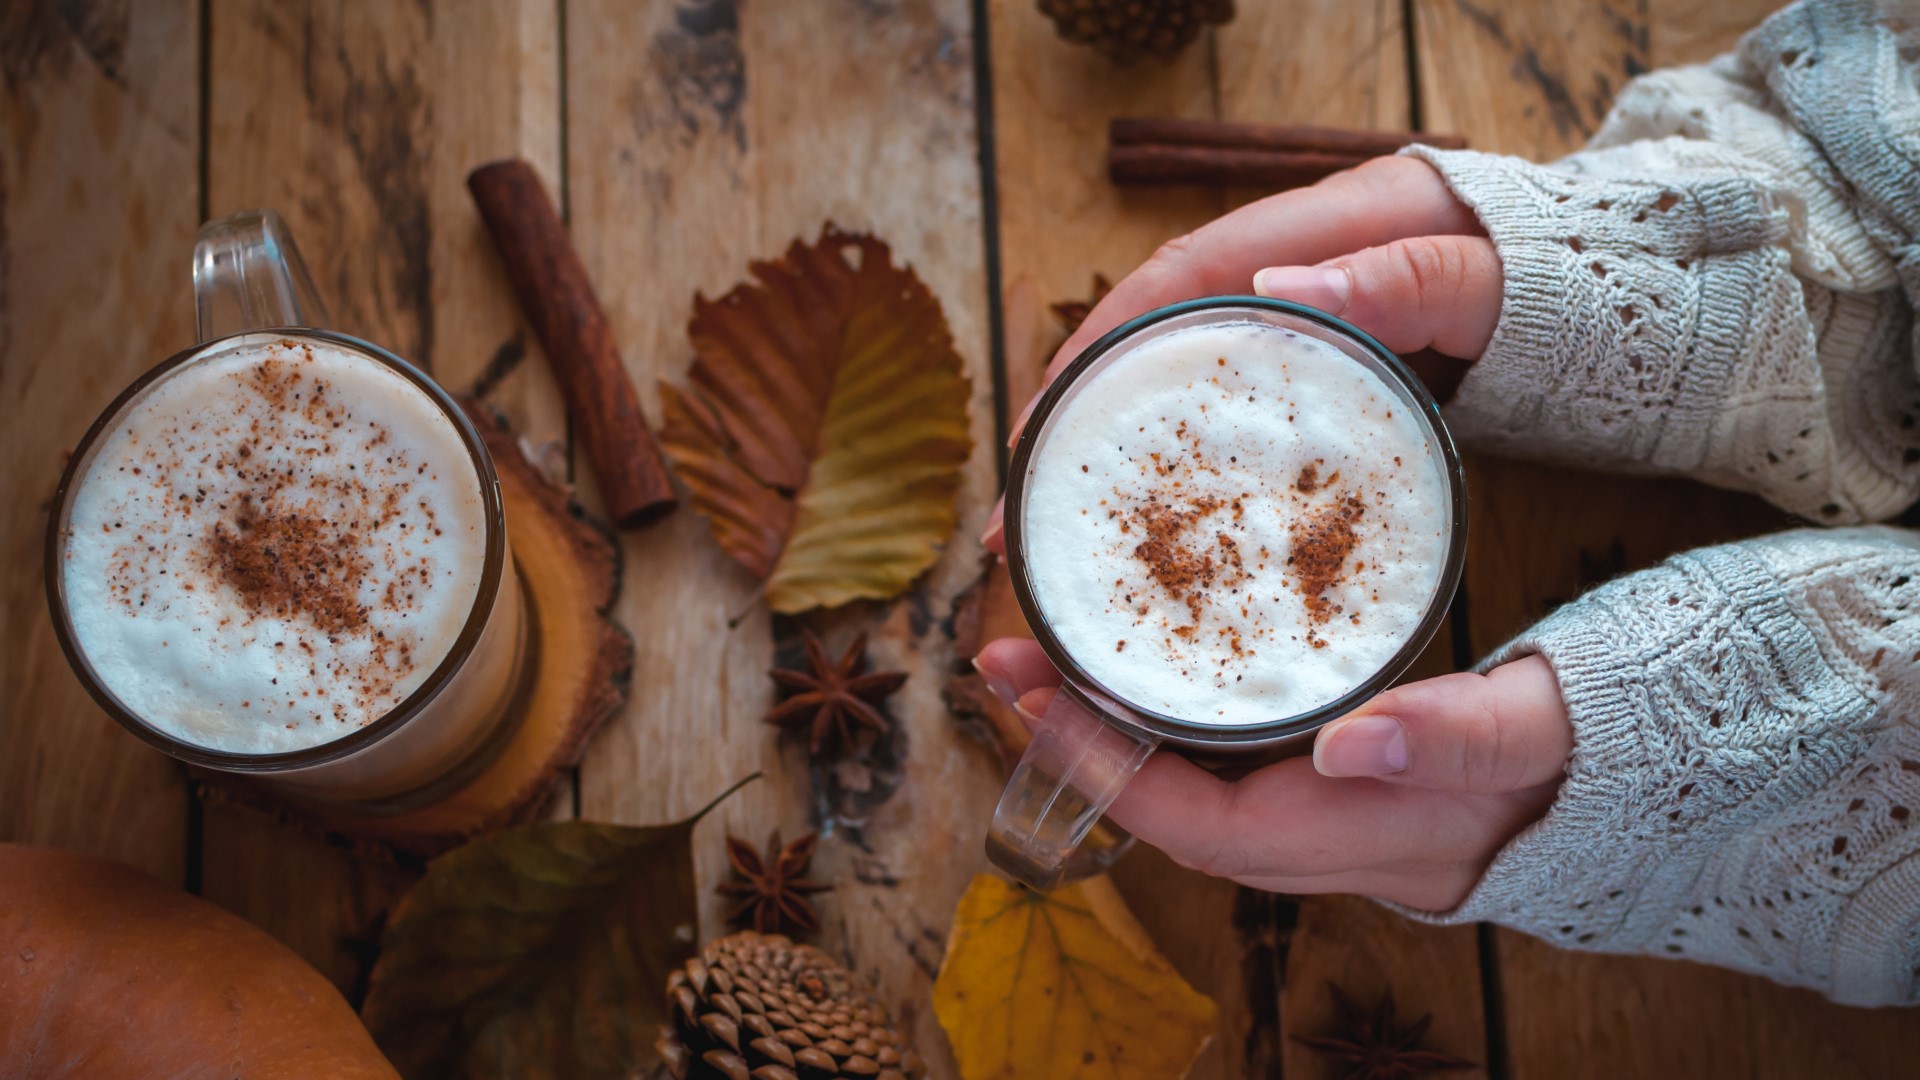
250 287
1092 741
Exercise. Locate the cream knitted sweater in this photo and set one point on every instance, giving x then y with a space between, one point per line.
1723 285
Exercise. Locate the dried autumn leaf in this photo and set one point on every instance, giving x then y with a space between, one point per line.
986 611
537 952
1072 313
824 423
1062 985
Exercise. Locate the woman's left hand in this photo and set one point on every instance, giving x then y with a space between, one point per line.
1385 246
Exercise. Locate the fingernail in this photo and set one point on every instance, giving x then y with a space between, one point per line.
1325 287
1027 716
996 523
1370 745
1020 423
1001 686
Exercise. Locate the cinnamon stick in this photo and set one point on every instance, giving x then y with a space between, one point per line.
1136 131
1167 150
559 301
1167 164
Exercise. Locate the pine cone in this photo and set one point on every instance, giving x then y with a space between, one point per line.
1129 29
758 1007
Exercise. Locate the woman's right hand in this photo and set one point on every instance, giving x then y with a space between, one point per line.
1408 798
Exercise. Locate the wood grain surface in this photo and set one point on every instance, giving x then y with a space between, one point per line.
99 198
683 139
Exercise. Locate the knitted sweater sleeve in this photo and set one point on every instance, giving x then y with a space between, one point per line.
1723 284
1745 782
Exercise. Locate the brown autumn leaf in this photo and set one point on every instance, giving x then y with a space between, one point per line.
986 610
1063 985
823 425
538 953
1072 313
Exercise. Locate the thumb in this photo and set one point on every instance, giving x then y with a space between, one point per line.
1506 730
1438 292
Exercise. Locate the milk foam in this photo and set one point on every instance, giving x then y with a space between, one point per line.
1234 524
275 545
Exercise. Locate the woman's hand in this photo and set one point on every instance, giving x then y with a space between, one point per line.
1385 246
1407 799
1424 273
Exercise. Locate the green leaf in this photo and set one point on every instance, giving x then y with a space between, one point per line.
539 951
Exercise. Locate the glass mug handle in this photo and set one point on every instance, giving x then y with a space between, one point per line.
248 275
1074 768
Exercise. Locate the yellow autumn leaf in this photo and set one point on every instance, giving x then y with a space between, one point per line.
1064 985
823 426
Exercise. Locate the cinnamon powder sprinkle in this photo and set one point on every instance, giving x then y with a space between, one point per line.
297 537
1189 544
289 564
1185 570
1322 540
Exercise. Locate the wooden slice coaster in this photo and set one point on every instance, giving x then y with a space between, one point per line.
569 567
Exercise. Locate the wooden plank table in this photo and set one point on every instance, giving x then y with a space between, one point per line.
683 139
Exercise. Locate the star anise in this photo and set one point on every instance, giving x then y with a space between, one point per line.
834 701
1375 1047
1072 313
772 889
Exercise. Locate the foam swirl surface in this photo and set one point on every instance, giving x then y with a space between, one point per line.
1234 523
277 544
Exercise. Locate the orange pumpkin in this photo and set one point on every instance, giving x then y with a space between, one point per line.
104 972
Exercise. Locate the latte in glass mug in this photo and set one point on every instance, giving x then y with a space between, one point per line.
1228 522
274 547
282 552
1235 523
